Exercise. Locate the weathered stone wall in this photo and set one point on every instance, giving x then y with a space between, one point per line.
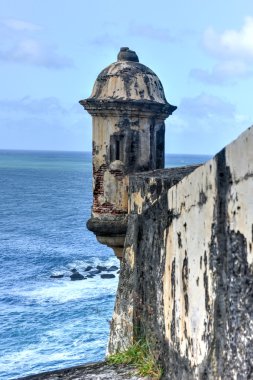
122 145
144 191
187 273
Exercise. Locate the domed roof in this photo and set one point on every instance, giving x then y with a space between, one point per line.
127 79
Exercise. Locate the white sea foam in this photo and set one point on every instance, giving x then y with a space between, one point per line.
26 360
65 290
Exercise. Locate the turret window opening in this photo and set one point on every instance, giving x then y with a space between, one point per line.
117 150
159 147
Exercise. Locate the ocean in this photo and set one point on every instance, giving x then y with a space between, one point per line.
47 322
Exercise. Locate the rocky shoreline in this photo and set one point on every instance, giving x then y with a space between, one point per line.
88 272
92 371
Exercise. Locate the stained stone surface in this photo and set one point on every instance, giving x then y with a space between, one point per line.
144 189
94 371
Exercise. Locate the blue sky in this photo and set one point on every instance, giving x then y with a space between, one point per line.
52 51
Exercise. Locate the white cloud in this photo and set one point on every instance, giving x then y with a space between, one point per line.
234 51
205 106
19 45
31 51
243 119
20 25
231 43
201 114
178 124
224 72
43 123
31 106
40 106
204 124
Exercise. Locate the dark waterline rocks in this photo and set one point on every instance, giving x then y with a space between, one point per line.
76 276
89 275
89 272
88 268
107 275
101 268
57 276
113 268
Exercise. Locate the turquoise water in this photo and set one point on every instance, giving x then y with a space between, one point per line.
49 323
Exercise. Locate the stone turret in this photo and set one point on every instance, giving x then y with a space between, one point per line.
128 109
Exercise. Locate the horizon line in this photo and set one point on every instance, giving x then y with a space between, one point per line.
85 151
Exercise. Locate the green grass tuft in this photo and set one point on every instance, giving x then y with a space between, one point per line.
140 356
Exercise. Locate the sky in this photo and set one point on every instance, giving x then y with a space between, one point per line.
51 52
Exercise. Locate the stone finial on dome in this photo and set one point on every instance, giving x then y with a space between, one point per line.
125 54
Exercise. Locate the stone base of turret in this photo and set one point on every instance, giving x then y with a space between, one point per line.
110 230
114 242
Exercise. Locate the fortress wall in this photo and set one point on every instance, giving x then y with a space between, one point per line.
186 281
144 190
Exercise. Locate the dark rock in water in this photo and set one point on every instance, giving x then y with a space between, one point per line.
74 270
118 272
101 268
90 275
107 275
88 268
112 268
57 275
77 276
